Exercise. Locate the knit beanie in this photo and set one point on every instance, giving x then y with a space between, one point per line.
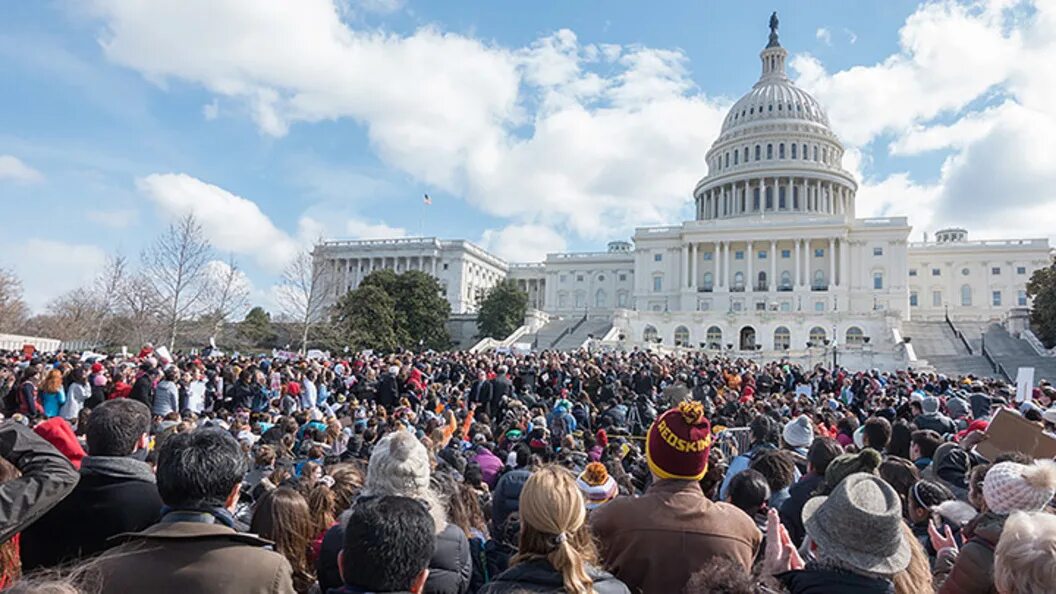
59 434
930 404
844 465
799 432
678 443
602 438
1010 486
958 407
596 485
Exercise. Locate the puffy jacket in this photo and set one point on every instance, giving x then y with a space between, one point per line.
47 478
507 496
166 399
539 577
827 581
972 570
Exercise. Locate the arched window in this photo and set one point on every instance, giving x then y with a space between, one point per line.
794 146
708 280
782 339
855 335
714 337
781 151
769 198
621 299
681 336
795 195
581 300
819 279
738 280
824 155
781 198
726 160
745 154
601 299
736 154
966 295
649 334
757 149
755 199
762 282
786 280
562 300
805 152
815 152
817 336
769 151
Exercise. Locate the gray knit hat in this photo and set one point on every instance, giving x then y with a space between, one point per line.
799 432
958 407
860 525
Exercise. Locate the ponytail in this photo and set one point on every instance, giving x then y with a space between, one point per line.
572 567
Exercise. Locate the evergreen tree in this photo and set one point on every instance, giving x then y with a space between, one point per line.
1042 290
366 318
420 311
256 328
501 310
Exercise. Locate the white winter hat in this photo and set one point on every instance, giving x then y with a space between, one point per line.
799 432
1010 486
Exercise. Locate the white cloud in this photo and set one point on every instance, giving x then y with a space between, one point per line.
50 268
823 35
523 243
852 37
232 223
211 110
593 139
378 6
14 169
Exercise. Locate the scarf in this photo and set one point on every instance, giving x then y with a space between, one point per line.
203 515
117 467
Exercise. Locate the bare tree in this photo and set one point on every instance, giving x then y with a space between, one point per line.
228 295
13 310
107 289
69 317
175 267
302 294
137 311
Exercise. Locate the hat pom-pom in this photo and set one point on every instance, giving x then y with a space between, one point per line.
870 459
595 474
692 411
1041 475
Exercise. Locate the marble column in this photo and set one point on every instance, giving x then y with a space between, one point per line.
832 262
772 281
749 280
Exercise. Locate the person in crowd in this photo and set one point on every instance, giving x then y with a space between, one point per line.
843 558
876 433
283 517
923 443
194 547
950 466
1008 487
506 498
44 478
778 467
1025 556
925 498
143 388
931 419
167 393
387 547
646 541
78 391
797 436
117 492
750 493
764 436
52 393
822 452
400 465
556 552
901 474
597 486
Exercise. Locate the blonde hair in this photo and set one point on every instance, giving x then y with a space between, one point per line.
52 382
553 527
916 577
1025 557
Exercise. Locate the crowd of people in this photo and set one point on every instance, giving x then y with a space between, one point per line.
500 473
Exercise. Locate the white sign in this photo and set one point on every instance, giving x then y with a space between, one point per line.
804 390
1024 384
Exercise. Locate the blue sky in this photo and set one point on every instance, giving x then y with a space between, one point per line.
535 127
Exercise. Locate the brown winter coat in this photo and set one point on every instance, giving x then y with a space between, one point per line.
186 557
655 542
972 571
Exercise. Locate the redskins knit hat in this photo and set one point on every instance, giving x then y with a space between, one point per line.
678 443
596 485
1009 486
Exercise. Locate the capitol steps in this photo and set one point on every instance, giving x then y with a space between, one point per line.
1013 353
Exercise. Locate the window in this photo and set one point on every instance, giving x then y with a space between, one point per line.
579 278
769 151
681 336
804 152
819 252
815 153
445 265
745 154
819 306
912 272
817 334
996 298
708 280
601 299
623 277
621 300
936 298
760 306
786 280
736 154
762 254
658 284
936 272
966 295
727 160
714 337
794 150
658 257
965 272
649 334
738 280
781 151
854 336
738 255
757 152
581 300
1021 298
878 280
786 306
738 306
563 278
782 337
601 278
913 301
1021 269
878 251
708 255
562 300
786 253
996 271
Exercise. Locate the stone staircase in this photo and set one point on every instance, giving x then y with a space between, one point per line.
1012 353
590 328
567 333
936 342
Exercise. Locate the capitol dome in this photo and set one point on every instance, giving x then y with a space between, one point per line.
775 154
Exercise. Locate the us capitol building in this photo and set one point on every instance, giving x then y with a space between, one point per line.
774 262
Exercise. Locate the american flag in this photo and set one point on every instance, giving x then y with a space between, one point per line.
427 200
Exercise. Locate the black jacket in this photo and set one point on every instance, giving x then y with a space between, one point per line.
506 498
143 390
120 498
500 386
827 581
792 509
539 577
937 422
388 392
47 477
450 569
